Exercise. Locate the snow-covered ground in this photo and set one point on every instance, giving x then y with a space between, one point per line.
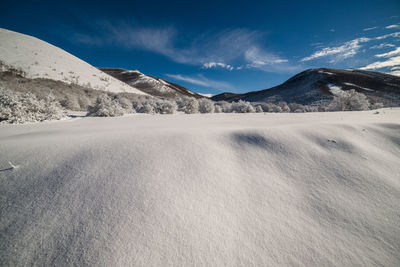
311 189
39 59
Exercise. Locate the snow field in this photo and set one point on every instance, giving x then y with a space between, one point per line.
309 189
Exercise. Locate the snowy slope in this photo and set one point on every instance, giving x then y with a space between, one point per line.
149 84
39 59
313 189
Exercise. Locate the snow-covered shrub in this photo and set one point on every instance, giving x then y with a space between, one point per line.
311 108
284 106
22 108
167 107
242 107
268 107
349 100
71 103
137 105
297 108
206 106
105 106
147 108
259 109
191 107
277 109
124 102
225 106
217 109
377 106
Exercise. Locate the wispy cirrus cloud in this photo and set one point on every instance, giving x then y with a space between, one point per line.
394 61
348 49
370 29
390 54
214 65
394 26
202 81
383 45
259 59
226 49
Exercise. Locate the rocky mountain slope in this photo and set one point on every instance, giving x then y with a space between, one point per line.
317 85
149 84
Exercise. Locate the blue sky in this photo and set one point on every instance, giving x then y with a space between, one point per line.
216 46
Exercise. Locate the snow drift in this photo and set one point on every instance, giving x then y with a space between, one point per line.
35 58
312 189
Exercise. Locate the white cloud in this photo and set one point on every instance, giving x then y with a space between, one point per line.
394 34
268 62
370 29
202 81
221 48
383 45
332 30
346 50
394 61
395 68
211 65
257 57
390 54
395 73
394 26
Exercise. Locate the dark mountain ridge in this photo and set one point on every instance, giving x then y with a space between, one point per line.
314 86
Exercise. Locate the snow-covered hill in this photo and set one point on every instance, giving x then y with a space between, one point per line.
39 59
314 86
149 84
313 189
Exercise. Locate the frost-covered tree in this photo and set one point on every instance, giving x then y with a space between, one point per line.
168 107
147 108
191 107
242 107
259 109
225 106
297 108
23 108
349 100
206 105
284 106
71 103
126 104
105 106
268 107
217 109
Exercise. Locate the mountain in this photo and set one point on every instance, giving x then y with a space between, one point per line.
149 84
34 58
317 85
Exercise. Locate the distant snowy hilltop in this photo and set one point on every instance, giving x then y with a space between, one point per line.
149 84
315 85
35 59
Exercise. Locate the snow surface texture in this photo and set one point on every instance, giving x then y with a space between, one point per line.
313 189
39 59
